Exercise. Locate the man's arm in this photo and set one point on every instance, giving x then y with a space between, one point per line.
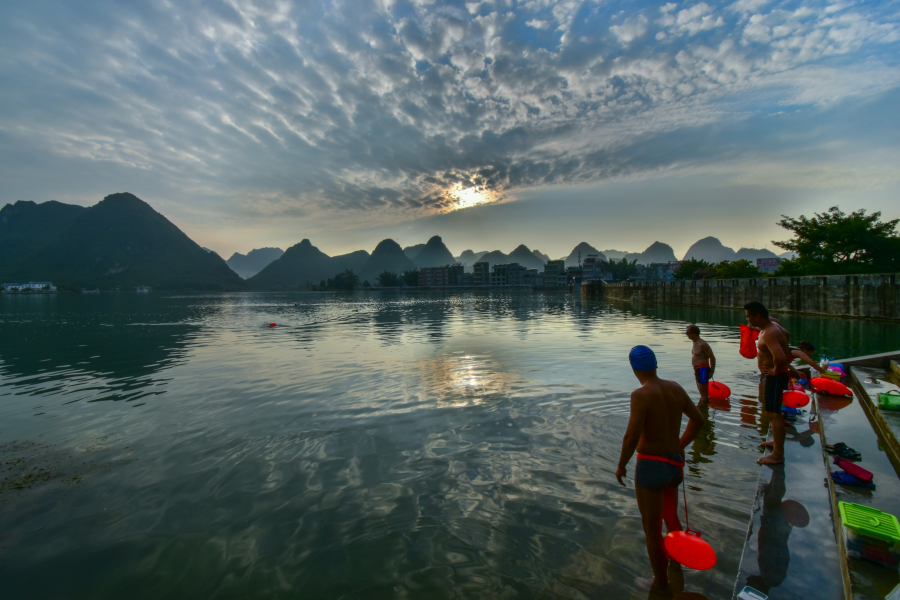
695 422
632 434
805 358
712 359
780 358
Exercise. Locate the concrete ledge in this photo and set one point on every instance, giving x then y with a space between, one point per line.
875 296
889 441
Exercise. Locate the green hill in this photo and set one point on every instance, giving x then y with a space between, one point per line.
27 227
387 256
120 242
432 254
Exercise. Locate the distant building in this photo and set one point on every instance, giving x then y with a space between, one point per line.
143 289
442 276
657 272
510 274
674 265
554 274
32 286
768 265
592 269
481 273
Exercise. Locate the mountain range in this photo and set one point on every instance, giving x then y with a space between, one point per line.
303 265
712 250
248 265
120 242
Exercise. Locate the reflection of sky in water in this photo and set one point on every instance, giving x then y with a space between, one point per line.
392 445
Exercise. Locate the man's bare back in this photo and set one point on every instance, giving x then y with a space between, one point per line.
660 404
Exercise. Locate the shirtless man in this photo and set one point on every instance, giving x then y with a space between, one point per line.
704 362
774 360
653 428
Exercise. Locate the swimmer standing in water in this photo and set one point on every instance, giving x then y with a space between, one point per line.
653 428
703 361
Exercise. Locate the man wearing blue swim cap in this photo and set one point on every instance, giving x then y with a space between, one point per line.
653 430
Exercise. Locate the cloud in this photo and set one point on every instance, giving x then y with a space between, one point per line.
377 110
630 29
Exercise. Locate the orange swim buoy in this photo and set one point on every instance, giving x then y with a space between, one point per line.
794 399
719 391
829 386
748 342
690 550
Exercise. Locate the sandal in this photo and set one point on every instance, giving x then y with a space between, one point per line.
845 451
833 447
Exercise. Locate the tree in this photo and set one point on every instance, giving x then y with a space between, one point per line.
366 284
388 279
346 281
410 277
620 270
834 243
739 269
692 269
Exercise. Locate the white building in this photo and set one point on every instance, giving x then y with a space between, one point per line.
31 286
767 265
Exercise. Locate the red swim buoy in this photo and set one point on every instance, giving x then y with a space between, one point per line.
794 399
719 391
690 550
829 386
748 342
273 324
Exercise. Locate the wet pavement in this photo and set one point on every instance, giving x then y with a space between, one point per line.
791 549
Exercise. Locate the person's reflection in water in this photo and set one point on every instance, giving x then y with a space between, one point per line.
774 557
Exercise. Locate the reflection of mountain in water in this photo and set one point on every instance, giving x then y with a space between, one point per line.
42 353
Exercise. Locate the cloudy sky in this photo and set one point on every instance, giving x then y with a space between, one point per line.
254 124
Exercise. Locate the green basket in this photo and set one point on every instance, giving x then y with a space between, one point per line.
870 522
889 400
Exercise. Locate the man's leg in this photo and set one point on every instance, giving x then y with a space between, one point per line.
670 509
777 445
703 388
650 503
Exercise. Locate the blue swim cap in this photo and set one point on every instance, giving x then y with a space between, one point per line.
642 358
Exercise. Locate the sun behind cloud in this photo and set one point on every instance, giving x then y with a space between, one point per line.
466 197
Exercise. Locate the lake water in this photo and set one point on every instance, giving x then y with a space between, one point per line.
393 445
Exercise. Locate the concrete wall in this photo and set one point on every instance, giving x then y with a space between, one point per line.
870 296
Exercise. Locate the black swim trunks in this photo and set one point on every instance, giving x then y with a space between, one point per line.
775 385
701 374
653 474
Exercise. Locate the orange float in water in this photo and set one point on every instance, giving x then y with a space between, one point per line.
690 550
795 399
829 386
719 391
